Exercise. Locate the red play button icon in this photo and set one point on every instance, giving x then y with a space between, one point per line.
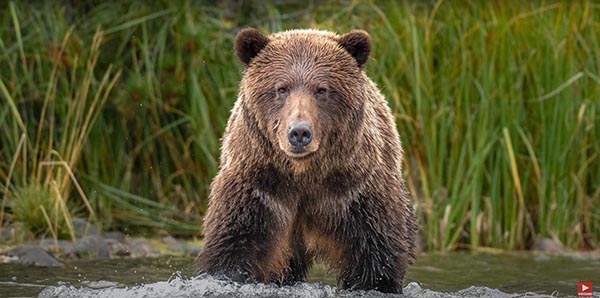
584 289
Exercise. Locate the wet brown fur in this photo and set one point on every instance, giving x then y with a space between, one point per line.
271 212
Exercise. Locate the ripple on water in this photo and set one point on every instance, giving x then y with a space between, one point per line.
210 287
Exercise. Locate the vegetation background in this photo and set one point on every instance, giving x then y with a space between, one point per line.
113 110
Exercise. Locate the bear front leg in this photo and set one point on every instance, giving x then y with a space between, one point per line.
299 263
376 246
241 235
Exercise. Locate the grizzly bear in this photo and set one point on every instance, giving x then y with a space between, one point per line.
311 168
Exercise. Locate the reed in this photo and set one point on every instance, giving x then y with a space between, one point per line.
497 104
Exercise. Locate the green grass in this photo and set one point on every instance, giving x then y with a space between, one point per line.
497 104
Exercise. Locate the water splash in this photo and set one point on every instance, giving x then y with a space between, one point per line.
210 287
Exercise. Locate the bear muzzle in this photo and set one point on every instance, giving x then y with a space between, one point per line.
301 140
300 135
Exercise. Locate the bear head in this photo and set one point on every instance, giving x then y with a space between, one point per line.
305 88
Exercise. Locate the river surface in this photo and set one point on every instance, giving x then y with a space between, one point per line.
433 275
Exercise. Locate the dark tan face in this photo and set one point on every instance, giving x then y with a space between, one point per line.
301 87
298 132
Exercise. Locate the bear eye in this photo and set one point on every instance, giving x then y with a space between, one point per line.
282 90
321 91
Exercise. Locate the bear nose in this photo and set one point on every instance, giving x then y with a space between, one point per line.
300 134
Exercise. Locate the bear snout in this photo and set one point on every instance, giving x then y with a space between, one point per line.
300 135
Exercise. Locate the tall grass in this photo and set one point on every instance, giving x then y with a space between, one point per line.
49 146
497 105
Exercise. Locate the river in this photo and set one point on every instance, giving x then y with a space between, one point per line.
457 274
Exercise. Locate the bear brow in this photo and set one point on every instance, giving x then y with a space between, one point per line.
309 69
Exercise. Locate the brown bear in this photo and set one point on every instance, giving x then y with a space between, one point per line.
311 167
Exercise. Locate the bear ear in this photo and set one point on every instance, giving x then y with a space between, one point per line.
358 44
248 43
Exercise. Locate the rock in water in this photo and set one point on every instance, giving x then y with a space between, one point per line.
139 247
547 245
92 245
35 255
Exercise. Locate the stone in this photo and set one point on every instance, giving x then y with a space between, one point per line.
168 239
117 248
92 245
15 233
183 248
115 235
8 259
547 245
139 247
62 248
34 255
6 235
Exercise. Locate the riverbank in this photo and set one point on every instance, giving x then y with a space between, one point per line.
89 244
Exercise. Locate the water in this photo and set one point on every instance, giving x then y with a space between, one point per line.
434 275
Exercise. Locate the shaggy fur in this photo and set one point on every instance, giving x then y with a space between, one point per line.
273 210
